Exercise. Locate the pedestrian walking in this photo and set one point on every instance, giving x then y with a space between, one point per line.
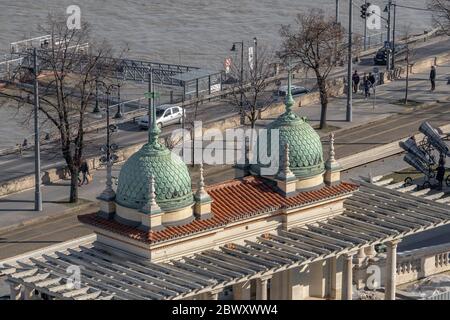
433 78
372 79
84 169
372 82
440 172
355 81
367 86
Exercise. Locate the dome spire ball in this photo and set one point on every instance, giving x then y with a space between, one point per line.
289 102
173 183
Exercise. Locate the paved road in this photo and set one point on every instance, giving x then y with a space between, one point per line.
12 166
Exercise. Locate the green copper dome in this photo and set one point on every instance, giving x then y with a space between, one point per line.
305 147
172 181
173 187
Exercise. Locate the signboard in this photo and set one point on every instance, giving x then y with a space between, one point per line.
250 57
153 95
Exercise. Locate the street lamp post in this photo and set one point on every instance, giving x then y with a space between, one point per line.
349 114
255 41
108 193
118 114
365 28
241 101
393 36
37 150
388 10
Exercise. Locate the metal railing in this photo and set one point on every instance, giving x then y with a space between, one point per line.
439 296
18 46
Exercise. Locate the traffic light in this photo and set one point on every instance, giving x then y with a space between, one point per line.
364 13
364 10
386 54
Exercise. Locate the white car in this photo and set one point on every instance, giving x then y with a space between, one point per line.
165 115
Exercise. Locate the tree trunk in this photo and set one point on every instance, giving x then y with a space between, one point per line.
74 185
323 102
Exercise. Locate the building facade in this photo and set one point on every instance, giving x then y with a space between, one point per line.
293 235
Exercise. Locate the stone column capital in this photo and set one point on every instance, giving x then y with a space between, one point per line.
265 277
349 255
393 243
215 291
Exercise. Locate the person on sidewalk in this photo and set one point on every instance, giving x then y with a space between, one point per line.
433 78
355 80
440 172
367 85
372 82
372 79
84 169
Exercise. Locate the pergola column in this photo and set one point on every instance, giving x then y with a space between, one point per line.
317 279
348 271
241 291
14 291
28 293
261 288
391 270
335 278
211 295
370 251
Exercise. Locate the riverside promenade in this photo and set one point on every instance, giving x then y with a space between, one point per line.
373 126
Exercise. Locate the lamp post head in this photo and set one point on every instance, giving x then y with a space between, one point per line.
233 48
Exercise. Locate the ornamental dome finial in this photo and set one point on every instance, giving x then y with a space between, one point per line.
289 102
151 206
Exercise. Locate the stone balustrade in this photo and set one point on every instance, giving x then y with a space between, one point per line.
411 265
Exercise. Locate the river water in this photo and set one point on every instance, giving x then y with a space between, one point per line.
191 32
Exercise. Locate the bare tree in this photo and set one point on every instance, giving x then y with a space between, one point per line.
253 87
441 13
68 73
319 44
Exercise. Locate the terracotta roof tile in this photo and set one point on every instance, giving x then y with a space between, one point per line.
233 200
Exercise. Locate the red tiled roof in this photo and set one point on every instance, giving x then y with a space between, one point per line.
234 200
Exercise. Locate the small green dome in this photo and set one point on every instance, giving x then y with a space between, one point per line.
305 147
172 180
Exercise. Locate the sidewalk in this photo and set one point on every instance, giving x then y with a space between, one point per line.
351 138
380 106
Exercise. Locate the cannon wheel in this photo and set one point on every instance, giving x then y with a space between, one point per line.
408 181
426 185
